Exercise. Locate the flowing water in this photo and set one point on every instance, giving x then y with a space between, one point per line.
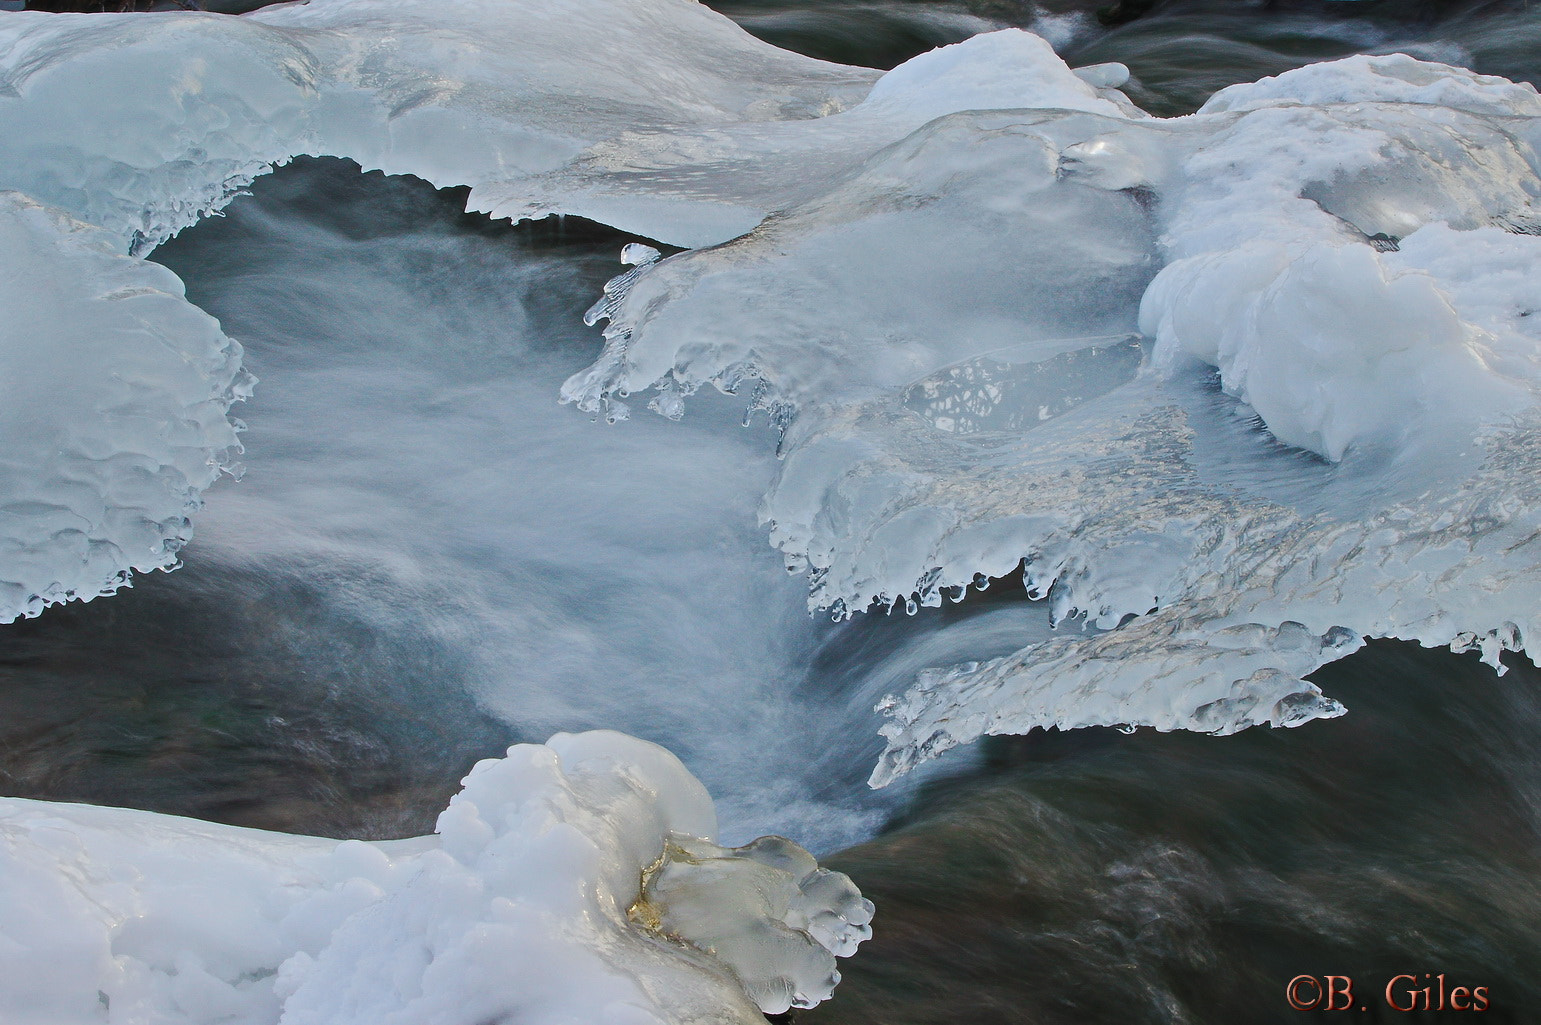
429 559
1097 877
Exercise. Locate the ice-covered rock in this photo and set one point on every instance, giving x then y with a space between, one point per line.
523 906
1282 264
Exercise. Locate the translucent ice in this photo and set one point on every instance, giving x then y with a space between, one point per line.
169 117
516 909
657 116
765 909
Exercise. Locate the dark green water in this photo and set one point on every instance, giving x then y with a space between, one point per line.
1180 52
210 692
1097 877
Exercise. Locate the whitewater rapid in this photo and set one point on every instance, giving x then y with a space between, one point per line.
1231 391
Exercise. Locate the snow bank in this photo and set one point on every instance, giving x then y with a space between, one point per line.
525 905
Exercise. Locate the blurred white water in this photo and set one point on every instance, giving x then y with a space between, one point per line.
407 448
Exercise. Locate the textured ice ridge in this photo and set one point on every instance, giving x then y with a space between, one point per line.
525 905
113 419
172 116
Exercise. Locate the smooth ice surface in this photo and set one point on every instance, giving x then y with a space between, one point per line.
516 908
657 116
113 395
766 909
172 115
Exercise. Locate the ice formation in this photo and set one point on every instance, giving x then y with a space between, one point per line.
766 908
948 337
520 908
113 419
1237 389
172 116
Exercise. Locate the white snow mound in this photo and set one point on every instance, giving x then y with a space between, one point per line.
525 905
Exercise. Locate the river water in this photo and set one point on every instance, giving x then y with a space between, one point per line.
429 559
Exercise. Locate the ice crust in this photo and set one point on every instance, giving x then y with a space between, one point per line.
1262 378
171 117
520 907
113 417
